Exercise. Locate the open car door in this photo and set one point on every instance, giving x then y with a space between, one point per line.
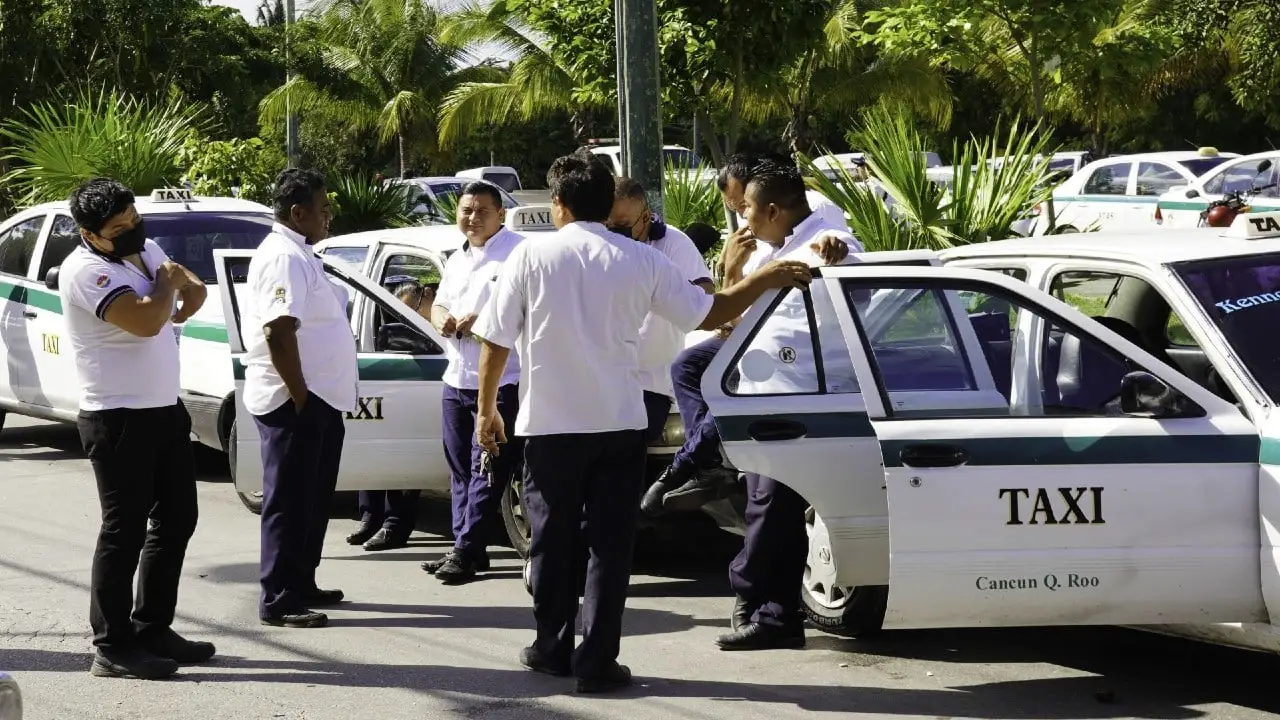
1097 486
394 437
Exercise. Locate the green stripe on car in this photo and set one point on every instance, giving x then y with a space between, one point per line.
736 428
1270 452
39 299
200 330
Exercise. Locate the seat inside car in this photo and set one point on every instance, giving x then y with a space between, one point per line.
1088 376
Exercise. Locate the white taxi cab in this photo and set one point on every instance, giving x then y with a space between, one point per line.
1120 192
41 377
1255 176
1050 431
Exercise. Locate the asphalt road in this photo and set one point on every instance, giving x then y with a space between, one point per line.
407 647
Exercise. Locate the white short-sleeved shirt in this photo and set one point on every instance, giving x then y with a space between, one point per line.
574 302
116 368
831 213
287 279
469 277
785 336
661 341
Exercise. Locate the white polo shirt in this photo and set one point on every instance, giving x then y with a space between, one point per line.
780 356
661 341
116 368
574 301
469 277
287 279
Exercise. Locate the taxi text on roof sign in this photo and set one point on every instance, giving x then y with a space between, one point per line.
171 195
1255 226
535 218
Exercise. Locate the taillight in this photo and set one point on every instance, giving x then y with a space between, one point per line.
1159 216
1035 211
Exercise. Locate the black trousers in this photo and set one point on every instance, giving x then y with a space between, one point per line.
769 569
146 481
300 456
395 510
603 473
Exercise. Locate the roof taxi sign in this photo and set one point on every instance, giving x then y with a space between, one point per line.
171 195
1255 226
531 218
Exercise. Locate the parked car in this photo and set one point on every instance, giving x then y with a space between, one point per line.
438 191
1257 175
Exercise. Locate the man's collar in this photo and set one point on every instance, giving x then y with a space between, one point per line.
804 229
294 235
109 258
468 247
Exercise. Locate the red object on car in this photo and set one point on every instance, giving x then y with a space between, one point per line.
1220 216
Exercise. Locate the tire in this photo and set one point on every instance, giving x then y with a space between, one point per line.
514 519
845 611
253 500
1065 230
527 574
3 415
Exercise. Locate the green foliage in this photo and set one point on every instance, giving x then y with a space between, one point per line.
447 207
215 168
360 203
56 146
689 198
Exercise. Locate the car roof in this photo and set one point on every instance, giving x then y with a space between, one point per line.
147 206
1154 247
437 238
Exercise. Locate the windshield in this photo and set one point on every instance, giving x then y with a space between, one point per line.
1242 296
447 192
189 238
1200 166
506 181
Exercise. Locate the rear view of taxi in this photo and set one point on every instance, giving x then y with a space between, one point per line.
1106 456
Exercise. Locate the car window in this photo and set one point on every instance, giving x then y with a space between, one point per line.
375 335
406 266
506 181
189 238
1157 178
1109 180
916 347
796 349
355 256
1095 293
1241 177
1200 166
18 244
63 238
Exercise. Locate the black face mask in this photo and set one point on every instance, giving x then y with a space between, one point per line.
130 241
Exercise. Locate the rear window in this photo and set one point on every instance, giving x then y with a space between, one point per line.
189 238
447 192
1200 166
506 181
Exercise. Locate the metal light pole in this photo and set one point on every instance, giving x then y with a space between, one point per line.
291 119
639 104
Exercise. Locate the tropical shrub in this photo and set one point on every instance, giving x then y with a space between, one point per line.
361 203
690 196
245 168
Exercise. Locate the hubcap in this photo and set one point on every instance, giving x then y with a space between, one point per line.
820 571
516 489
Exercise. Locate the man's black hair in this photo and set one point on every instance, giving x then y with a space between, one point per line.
583 184
479 187
295 186
704 236
737 166
96 201
779 184
626 188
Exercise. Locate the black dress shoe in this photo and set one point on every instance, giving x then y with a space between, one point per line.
168 644
322 598
135 663
741 616
535 661
651 503
754 636
386 539
300 619
361 536
432 566
616 677
702 488
457 569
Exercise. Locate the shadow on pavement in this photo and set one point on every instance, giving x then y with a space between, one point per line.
41 443
636 622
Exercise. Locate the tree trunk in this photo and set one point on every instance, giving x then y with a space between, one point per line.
710 138
400 148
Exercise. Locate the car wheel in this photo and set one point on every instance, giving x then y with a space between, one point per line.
832 608
1065 230
514 518
252 500
3 415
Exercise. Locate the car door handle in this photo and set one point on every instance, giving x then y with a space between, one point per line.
933 456
28 315
766 430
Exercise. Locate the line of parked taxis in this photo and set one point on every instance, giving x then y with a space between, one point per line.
1074 429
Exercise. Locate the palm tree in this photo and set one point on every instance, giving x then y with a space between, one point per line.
535 86
841 74
271 13
382 68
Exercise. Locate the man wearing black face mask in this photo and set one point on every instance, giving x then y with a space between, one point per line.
118 292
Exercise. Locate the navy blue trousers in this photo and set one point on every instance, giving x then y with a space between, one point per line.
701 447
395 510
301 452
769 569
603 473
475 502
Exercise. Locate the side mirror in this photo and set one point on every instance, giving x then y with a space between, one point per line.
1264 166
1193 193
1142 393
51 278
402 338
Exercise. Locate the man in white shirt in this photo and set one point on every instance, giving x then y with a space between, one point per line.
469 277
300 377
574 302
766 575
118 293
660 341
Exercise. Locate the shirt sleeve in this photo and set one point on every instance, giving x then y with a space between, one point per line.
685 255
502 319
94 285
683 304
280 289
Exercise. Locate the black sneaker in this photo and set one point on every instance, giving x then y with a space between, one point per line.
741 616
431 566
386 539
457 569
300 619
535 661
699 490
616 677
168 644
137 664
362 535
651 504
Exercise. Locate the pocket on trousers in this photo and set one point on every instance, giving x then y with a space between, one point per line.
102 432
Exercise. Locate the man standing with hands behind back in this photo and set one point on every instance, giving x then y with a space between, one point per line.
300 377
582 415
118 290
